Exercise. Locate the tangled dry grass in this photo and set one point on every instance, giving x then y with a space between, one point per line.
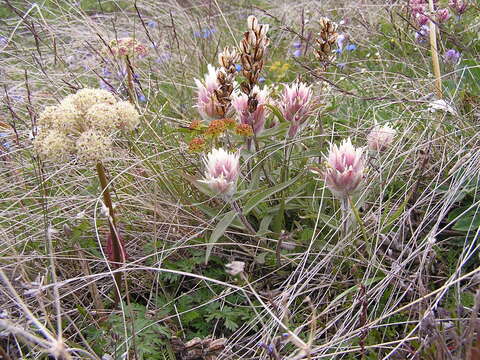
397 278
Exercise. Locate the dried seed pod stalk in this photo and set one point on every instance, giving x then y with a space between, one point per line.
253 48
225 78
326 41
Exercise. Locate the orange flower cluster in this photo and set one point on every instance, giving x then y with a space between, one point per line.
197 145
244 130
215 129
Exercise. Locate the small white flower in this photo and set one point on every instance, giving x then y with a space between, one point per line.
235 267
441 105
381 137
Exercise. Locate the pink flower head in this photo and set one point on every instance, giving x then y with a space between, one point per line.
207 103
255 119
345 167
443 15
381 137
458 6
222 170
295 105
422 19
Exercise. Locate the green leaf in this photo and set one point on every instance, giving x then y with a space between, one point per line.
219 230
230 324
264 224
274 131
468 222
276 111
261 196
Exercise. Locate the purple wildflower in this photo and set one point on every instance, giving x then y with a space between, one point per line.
451 56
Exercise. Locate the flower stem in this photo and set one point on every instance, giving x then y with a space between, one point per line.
345 211
131 86
242 218
118 255
434 53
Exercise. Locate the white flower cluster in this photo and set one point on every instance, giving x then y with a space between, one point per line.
83 125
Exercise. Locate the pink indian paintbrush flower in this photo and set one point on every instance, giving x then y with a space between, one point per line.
345 166
207 103
458 6
443 15
296 105
222 170
381 137
255 119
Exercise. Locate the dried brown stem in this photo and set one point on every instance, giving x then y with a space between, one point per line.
118 254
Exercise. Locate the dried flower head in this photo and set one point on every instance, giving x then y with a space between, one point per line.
251 109
102 116
327 37
128 47
222 170
89 112
252 51
381 137
47 116
228 58
296 105
93 146
54 145
128 116
344 168
84 99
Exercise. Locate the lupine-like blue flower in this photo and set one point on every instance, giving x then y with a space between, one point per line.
340 40
451 56
205 33
4 140
238 67
152 24
164 57
350 47
142 98
423 34
261 79
297 53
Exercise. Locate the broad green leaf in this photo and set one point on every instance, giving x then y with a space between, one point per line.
263 195
219 230
468 222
